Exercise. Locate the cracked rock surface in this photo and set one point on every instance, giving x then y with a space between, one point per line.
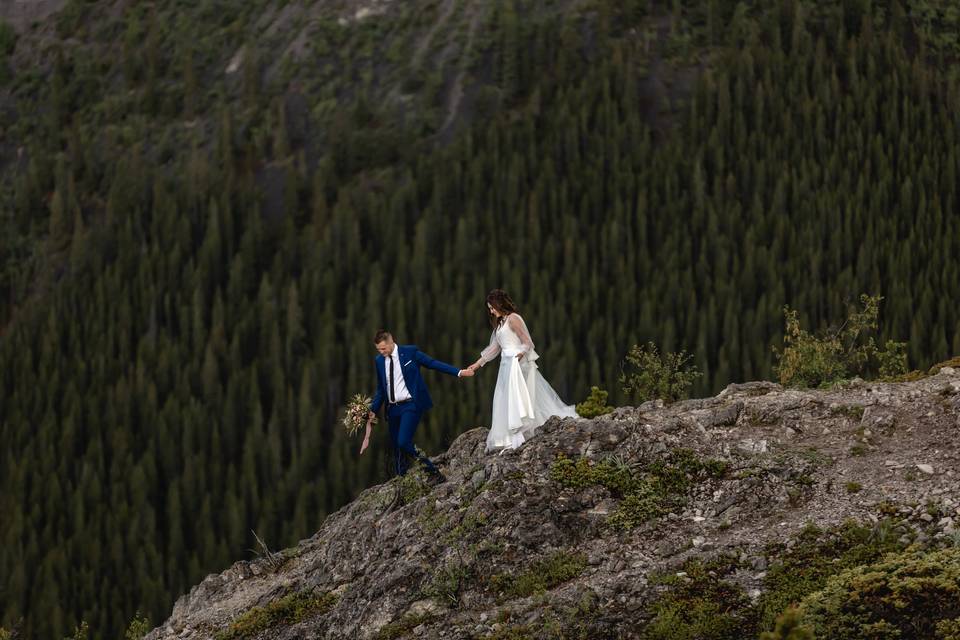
407 559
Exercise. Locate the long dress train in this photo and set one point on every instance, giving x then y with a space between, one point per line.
522 400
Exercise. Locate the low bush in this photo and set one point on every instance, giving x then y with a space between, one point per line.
595 404
913 594
646 374
808 360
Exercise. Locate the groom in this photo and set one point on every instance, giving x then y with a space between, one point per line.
400 385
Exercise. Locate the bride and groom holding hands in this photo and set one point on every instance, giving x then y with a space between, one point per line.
522 398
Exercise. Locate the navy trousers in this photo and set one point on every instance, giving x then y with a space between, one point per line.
403 420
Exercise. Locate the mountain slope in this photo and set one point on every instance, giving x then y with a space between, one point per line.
529 543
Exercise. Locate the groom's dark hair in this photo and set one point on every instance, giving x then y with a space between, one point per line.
381 335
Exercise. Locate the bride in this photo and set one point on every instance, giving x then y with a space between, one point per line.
523 399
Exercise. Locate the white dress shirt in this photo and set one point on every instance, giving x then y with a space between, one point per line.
400 386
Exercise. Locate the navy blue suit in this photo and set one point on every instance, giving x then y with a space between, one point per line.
403 418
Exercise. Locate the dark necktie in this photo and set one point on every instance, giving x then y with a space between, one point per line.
393 395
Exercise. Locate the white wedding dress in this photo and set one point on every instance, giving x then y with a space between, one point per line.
523 399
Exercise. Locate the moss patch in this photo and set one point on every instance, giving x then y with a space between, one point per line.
402 627
646 493
701 605
816 556
541 576
288 610
913 594
412 486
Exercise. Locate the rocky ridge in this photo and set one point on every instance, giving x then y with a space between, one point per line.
531 539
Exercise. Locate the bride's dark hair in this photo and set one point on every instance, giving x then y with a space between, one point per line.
502 302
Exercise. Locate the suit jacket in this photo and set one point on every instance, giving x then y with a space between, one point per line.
411 359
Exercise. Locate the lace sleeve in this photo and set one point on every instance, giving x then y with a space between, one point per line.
492 350
520 328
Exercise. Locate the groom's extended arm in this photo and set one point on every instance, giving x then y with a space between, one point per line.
378 396
430 363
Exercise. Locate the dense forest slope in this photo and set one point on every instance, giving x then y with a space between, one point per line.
207 207
701 520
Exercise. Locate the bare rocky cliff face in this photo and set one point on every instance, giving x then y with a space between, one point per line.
566 536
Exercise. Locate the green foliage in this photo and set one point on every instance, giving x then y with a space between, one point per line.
541 576
948 629
816 556
789 627
8 39
595 404
640 505
853 487
810 361
937 22
288 610
513 632
5 635
412 486
448 581
701 605
646 494
648 375
903 595
139 627
402 627
81 632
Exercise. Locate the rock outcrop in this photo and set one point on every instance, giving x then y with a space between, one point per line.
571 532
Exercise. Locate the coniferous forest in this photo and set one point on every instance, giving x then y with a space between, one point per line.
208 207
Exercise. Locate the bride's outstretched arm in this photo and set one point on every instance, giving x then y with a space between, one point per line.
492 351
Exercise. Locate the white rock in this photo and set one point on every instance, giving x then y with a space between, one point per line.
926 468
948 371
698 541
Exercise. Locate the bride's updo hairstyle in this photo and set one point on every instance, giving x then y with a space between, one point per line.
502 302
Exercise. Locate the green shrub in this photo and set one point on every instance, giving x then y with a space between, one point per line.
807 360
288 610
645 494
402 627
595 404
816 556
541 576
649 375
949 629
789 627
412 485
914 594
139 627
701 605
5 635
447 582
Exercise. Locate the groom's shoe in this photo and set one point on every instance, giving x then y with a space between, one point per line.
437 477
